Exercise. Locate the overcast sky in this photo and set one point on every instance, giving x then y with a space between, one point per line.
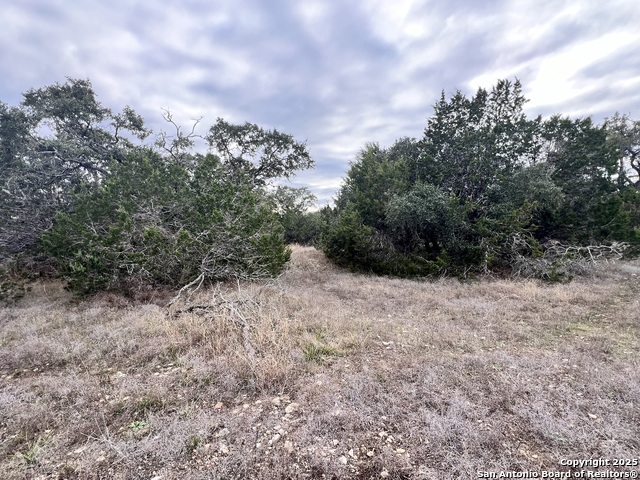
336 74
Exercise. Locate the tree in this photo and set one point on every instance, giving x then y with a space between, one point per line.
473 144
156 222
348 241
375 176
485 189
623 134
584 166
60 139
293 206
106 212
257 155
450 201
422 221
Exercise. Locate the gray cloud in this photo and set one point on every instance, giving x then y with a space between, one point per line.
337 75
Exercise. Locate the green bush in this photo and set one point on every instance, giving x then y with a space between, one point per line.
157 222
348 241
485 190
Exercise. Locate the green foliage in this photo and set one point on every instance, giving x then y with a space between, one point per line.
485 189
422 220
58 141
472 144
623 134
81 197
257 155
300 225
317 352
348 241
31 455
137 425
157 222
372 180
583 166
625 223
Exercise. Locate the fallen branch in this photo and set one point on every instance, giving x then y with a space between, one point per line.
233 307
198 280
561 261
241 320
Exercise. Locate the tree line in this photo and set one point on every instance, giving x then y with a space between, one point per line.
86 198
96 198
487 189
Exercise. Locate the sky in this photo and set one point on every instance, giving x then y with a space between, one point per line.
335 74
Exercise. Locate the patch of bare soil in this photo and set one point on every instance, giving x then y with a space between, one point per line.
323 374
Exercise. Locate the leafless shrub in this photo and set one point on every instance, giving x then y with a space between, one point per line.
558 261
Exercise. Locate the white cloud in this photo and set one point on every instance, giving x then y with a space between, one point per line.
555 81
337 75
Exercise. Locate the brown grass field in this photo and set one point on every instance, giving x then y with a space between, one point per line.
323 374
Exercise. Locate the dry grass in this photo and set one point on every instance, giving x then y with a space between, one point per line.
322 374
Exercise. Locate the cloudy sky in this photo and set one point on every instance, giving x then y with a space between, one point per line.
335 73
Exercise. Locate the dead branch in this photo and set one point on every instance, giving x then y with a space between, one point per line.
235 310
558 259
197 280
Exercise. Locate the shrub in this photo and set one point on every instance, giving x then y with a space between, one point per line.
158 222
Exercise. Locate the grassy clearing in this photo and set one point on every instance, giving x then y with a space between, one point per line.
322 374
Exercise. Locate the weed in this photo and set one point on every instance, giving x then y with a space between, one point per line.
31 454
149 403
192 443
317 352
138 425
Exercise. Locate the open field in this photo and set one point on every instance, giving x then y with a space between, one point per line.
322 374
